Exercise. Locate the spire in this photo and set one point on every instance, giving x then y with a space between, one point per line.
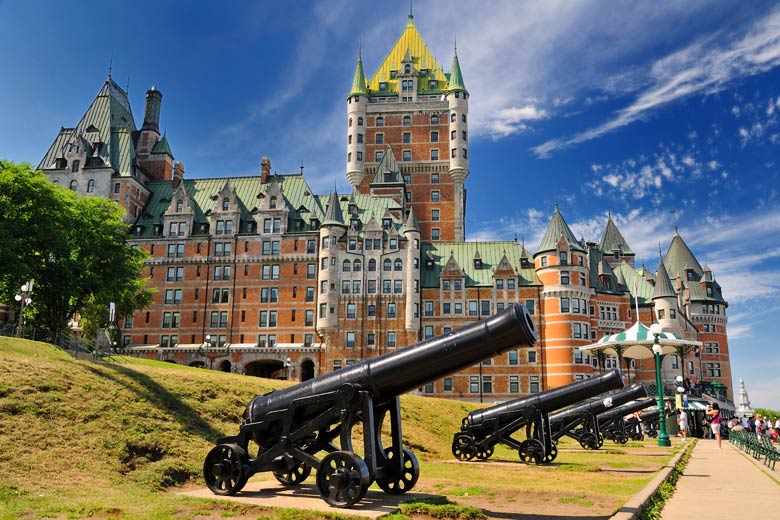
679 258
333 214
411 15
456 76
663 285
556 229
612 240
359 81
411 223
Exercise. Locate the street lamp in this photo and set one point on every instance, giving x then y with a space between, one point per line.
663 437
23 297
287 364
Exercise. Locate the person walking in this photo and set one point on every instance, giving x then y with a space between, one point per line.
713 410
683 423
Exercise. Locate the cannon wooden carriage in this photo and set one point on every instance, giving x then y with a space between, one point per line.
483 429
294 427
581 423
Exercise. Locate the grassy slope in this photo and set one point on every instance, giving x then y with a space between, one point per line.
80 438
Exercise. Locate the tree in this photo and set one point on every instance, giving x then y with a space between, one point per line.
74 248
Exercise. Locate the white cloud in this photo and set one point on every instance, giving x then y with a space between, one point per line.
513 119
706 66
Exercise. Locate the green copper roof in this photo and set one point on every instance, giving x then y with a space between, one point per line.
333 213
464 253
456 77
679 258
663 285
612 240
636 283
555 230
108 120
411 223
162 147
359 87
387 171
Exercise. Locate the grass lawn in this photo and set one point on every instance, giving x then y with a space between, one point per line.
116 440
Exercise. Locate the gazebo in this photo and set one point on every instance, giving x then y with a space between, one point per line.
641 342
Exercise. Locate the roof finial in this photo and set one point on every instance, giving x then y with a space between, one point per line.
659 251
411 15
110 65
127 88
455 44
301 167
609 214
674 216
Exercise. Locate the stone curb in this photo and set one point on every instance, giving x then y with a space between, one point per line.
632 508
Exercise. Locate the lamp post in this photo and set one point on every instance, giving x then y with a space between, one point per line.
23 297
663 437
287 364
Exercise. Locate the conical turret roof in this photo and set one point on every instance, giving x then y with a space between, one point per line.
663 285
333 215
679 258
612 239
411 223
359 87
456 76
556 229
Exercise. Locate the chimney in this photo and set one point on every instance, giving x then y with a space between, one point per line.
265 169
152 110
178 174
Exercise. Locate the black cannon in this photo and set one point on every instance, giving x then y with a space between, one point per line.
292 426
645 424
612 423
483 429
580 422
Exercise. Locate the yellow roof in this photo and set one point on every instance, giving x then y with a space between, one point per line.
423 58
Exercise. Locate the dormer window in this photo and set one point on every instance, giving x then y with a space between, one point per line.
689 274
477 263
407 69
225 204
314 223
563 257
75 167
393 73
179 206
432 84
709 292
423 73
386 223
272 203
61 163
382 86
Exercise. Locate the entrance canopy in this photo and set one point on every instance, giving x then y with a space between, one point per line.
637 343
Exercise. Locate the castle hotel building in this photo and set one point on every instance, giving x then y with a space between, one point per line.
261 275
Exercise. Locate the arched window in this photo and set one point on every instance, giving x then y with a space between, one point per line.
399 265
434 119
407 121
372 265
345 266
350 122
453 117
74 185
380 121
75 166
408 69
273 202
357 266
225 204
91 186
387 265
179 206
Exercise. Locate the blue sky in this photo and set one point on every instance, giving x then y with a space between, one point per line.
655 111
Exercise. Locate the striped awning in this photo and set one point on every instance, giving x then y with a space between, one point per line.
637 342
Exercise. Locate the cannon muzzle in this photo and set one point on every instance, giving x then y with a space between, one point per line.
626 409
547 401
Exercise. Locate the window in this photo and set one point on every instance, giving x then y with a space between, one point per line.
564 305
371 338
434 155
532 356
391 339
407 155
345 266
453 153
371 288
435 137
117 188
360 121
386 286
513 357
407 137
690 367
713 370
435 176
380 121
173 296
372 262
453 117
407 121
448 384
453 134
458 308
472 308
435 234
351 310
428 332
675 362
345 287
712 347
378 155
91 186
661 314
380 139
565 278
387 265
474 384
371 310
485 307
336 364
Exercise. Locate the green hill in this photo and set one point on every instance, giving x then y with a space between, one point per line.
79 438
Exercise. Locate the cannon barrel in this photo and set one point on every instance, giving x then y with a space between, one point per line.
405 369
549 400
626 409
598 406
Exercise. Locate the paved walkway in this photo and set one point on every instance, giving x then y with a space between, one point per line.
724 481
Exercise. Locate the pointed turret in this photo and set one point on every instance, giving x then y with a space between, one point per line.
411 223
162 147
557 229
359 87
680 259
663 285
456 76
333 213
613 245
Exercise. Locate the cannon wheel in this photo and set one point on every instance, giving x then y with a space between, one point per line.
226 469
549 457
463 446
485 452
394 484
600 440
531 450
621 438
342 479
589 441
299 472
